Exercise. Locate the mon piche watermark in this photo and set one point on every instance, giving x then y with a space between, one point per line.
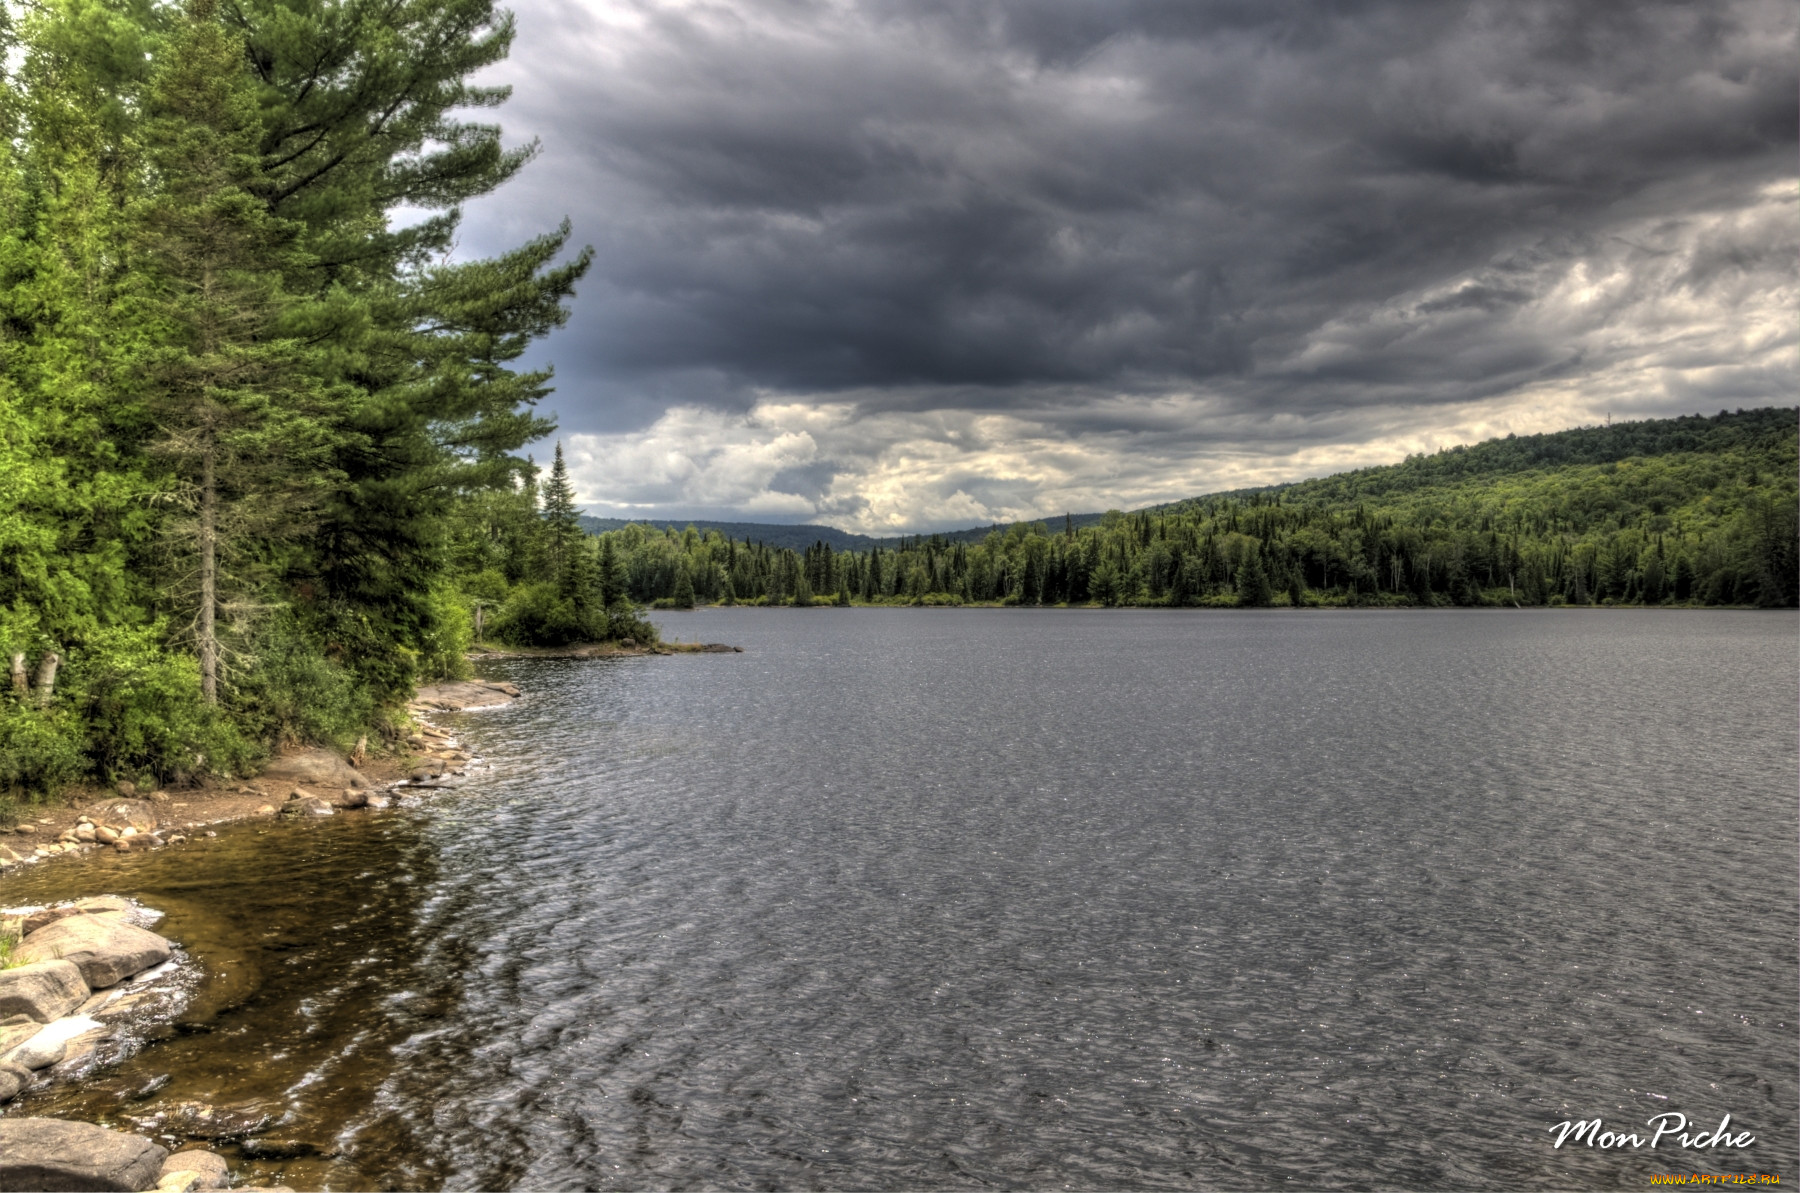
1593 1132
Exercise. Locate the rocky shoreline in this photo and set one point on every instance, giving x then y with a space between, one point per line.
77 971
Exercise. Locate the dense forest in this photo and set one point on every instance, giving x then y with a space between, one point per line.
1685 511
246 411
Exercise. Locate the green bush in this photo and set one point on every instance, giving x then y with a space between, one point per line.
445 639
143 709
623 622
39 751
538 615
292 691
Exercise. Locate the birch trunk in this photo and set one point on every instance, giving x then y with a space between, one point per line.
209 578
46 677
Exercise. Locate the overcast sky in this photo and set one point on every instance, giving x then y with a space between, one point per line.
904 264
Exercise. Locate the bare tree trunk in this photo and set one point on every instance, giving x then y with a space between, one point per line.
20 688
46 677
209 579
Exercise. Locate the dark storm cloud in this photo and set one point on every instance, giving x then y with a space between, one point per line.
1041 205
819 197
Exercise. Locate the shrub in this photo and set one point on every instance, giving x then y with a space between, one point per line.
291 690
143 709
444 641
40 750
538 615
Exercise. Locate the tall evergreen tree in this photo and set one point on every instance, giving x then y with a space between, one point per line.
243 414
562 520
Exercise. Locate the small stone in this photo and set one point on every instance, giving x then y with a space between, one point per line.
265 810
210 833
208 1168
183 1181
159 797
40 1054
127 788
123 846
377 799
105 834
85 832
352 797
130 830
178 839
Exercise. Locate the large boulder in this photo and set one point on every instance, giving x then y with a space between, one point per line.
13 1078
315 768
53 1154
473 693
124 813
98 905
44 990
105 950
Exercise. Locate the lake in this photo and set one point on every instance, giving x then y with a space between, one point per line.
1030 898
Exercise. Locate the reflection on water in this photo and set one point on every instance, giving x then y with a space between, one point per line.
902 899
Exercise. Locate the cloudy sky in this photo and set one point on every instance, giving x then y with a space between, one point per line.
915 264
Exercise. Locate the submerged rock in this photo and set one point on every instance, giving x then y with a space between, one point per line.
44 990
105 950
201 1120
52 1153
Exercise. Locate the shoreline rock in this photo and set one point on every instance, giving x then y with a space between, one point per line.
458 695
54 1153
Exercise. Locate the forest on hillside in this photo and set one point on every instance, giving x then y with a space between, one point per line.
1687 511
243 407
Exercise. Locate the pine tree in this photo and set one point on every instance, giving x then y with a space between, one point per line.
1253 589
562 520
244 417
803 594
684 588
612 578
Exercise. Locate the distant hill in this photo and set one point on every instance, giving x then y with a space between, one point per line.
772 534
1495 457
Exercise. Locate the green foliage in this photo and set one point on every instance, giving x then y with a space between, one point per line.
538 614
39 749
249 431
143 710
295 692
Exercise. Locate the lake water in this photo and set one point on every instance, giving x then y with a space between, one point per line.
946 899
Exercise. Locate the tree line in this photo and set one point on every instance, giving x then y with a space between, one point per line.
242 405
1689 511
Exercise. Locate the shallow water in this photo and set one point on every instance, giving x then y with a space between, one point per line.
905 899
